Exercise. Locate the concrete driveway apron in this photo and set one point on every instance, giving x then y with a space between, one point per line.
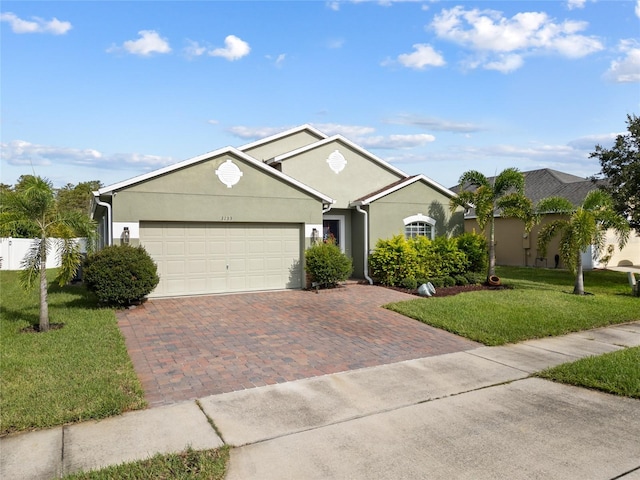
186 348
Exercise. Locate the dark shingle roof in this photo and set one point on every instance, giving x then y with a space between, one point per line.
539 184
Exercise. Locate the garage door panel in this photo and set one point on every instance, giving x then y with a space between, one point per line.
198 258
197 247
255 247
256 264
197 266
175 248
175 267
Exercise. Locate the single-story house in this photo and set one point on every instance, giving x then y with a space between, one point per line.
240 219
514 247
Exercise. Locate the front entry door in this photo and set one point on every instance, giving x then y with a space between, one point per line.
332 231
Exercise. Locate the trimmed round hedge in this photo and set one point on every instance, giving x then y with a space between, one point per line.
120 274
327 265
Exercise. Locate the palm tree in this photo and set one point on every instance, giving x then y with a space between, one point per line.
585 226
33 207
504 194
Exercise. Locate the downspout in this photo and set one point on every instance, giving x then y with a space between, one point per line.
325 210
366 244
108 207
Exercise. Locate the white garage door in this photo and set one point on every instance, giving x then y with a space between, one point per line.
200 258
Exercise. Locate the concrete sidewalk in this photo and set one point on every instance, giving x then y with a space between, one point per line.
473 414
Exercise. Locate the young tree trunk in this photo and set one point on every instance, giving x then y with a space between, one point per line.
44 305
492 248
578 287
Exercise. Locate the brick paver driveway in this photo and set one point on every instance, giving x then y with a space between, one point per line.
187 348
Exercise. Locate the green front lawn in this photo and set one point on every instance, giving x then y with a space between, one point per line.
79 372
616 372
538 303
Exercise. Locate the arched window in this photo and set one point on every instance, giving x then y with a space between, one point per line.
419 224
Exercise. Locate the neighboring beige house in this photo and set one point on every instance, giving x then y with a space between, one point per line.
239 219
514 247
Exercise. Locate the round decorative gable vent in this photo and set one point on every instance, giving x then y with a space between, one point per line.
336 161
229 173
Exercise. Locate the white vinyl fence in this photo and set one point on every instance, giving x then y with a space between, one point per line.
13 250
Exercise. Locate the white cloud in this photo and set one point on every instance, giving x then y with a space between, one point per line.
588 142
334 5
397 141
360 134
149 43
437 124
638 8
234 49
22 153
505 63
277 61
573 4
254 133
501 42
423 56
627 68
194 49
351 132
35 25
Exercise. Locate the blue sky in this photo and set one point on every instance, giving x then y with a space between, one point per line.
110 90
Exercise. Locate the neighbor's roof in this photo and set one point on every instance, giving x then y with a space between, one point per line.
546 182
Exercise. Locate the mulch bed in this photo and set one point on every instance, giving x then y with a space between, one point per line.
448 291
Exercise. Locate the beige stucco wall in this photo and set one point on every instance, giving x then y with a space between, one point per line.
282 145
513 249
360 176
629 255
196 194
388 212
511 246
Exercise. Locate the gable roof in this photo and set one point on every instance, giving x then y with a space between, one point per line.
345 141
402 183
201 158
306 127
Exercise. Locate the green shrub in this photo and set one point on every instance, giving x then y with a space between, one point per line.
461 280
448 281
393 260
446 259
409 283
475 278
475 247
327 265
437 282
424 251
120 274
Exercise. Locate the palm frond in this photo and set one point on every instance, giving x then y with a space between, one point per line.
31 263
509 179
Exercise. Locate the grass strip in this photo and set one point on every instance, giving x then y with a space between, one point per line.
188 465
79 372
615 372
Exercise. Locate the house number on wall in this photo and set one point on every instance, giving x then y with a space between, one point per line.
226 219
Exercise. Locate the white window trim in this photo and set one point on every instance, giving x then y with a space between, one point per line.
421 218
